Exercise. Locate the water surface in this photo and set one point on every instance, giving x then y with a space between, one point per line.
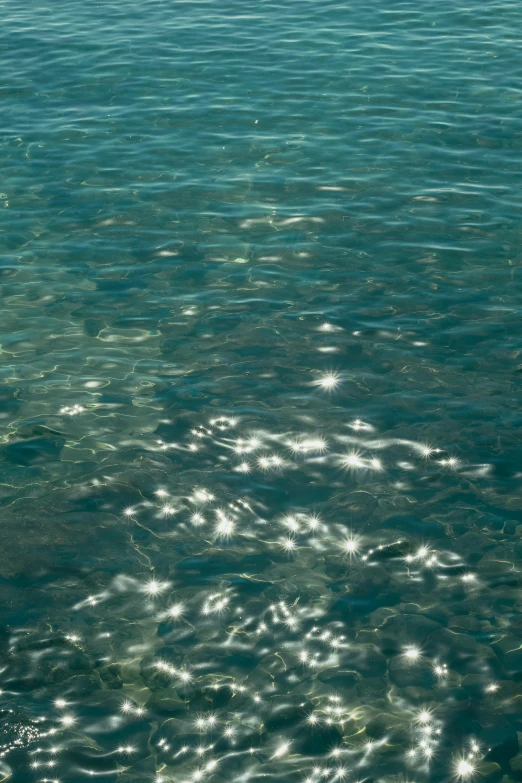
260 344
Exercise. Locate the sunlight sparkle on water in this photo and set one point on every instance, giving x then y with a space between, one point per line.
183 629
329 381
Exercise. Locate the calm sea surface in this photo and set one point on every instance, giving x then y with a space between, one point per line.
260 391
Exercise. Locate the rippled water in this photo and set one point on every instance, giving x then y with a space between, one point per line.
260 343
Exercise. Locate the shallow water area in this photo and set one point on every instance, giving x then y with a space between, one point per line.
260 363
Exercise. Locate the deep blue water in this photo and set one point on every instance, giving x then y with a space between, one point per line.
260 376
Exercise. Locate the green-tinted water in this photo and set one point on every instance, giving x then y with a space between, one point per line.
260 463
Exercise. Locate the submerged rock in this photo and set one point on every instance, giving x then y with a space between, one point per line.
406 673
317 740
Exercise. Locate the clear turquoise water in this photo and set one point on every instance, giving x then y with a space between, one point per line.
260 461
